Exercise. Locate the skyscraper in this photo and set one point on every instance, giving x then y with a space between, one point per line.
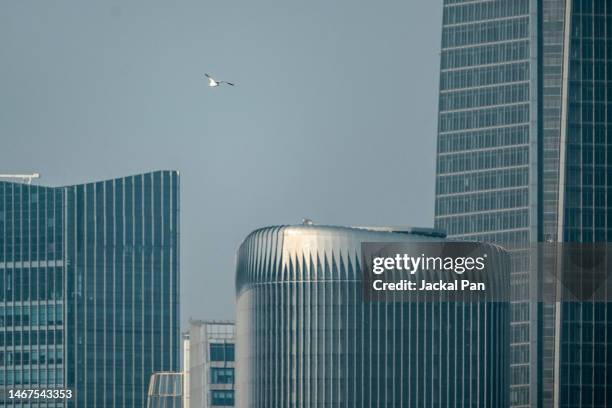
306 337
523 156
89 287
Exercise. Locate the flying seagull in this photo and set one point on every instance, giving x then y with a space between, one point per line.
212 82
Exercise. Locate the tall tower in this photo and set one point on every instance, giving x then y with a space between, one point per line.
89 287
523 156
307 336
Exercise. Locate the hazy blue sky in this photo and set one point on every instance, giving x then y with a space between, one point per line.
333 116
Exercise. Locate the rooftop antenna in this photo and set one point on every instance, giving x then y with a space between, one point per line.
26 178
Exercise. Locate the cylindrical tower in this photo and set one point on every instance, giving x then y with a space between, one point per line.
306 338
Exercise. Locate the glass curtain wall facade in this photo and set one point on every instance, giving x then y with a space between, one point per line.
485 145
307 338
535 170
166 391
32 296
584 360
89 287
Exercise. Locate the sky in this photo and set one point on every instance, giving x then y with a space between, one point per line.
333 116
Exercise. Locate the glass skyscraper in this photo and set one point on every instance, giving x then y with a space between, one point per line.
89 287
523 154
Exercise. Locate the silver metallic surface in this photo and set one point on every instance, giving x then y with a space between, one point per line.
306 338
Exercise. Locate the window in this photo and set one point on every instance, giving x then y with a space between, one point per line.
222 375
222 398
222 352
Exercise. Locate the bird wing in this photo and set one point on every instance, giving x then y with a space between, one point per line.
207 76
229 83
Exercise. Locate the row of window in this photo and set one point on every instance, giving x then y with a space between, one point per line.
31 338
495 200
587 179
34 357
19 216
521 264
24 193
451 2
222 352
591 6
589 92
592 156
507 239
35 376
15 250
580 366
483 55
586 386
465 13
589 135
222 398
31 284
583 234
585 332
30 240
25 253
579 395
469 224
519 395
589 71
488 31
519 312
11 316
587 311
519 334
33 217
588 114
482 160
484 76
483 139
486 180
481 97
591 26
519 354
519 374
587 218
24 235
502 116
520 291
221 375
